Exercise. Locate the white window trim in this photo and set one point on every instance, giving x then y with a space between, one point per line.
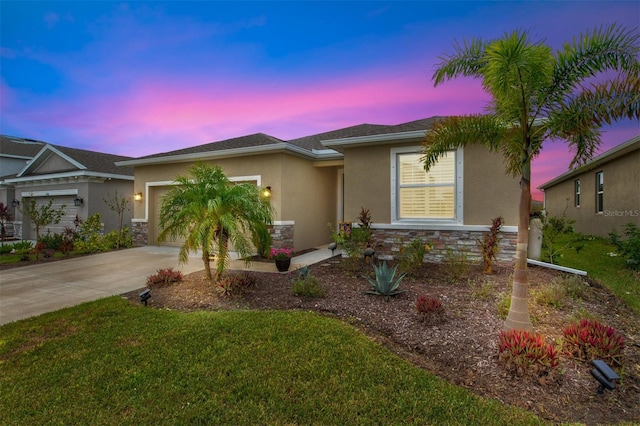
459 189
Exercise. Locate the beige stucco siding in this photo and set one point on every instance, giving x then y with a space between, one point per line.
621 197
488 191
366 182
310 198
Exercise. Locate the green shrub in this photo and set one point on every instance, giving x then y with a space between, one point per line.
164 277
574 286
308 287
262 241
52 241
385 283
429 309
112 240
629 247
484 291
412 256
6 248
503 304
589 339
523 353
552 294
90 239
23 248
456 264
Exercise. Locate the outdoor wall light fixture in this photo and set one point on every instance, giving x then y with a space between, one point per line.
145 296
78 201
15 203
266 192
604 375
137 196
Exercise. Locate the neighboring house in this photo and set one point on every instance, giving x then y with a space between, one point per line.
601 196
327 178
76 178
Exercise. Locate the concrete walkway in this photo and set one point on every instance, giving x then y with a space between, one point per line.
33 290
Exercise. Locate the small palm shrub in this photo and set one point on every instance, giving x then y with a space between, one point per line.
164 277
589 339
429 309
523 353
385 283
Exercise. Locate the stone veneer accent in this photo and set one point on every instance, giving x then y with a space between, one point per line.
140 230
281 236
387 243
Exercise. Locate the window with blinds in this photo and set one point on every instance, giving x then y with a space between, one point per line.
425 195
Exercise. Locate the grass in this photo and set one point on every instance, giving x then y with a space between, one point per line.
112 362
609 270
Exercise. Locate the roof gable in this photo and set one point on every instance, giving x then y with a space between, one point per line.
50 160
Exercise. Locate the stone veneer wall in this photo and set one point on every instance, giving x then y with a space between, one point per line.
140 232
387 243
281 236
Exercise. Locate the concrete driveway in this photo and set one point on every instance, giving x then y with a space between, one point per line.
34 290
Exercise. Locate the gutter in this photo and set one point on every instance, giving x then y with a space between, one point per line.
557 267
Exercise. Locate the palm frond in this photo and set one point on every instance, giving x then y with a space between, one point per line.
466 60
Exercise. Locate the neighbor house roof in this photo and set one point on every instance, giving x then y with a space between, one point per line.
624 148
312 147
81 161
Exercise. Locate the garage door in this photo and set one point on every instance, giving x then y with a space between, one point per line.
156 194
67 219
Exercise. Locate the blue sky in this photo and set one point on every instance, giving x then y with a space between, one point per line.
136 78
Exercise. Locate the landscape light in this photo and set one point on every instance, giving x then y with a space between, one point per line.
145 296
604 375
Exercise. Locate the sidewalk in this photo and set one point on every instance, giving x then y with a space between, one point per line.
321 254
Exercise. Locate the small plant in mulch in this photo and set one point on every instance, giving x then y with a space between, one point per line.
430 310
490 245
234 284
306 285
385 283
524 353
164 277
590 339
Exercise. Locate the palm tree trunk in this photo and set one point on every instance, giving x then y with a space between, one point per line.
207 264
519 317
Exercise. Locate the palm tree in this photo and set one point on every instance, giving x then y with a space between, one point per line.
210 212
538 94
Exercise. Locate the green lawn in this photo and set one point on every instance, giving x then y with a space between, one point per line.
112 362
611 271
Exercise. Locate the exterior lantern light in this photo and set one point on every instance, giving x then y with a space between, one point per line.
78 201
266 192
15 203
137 196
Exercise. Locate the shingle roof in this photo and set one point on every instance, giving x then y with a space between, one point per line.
98 162
257 139
11 146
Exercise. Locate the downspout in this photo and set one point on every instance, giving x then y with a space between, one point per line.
557 267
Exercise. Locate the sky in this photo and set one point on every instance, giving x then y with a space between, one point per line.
137 78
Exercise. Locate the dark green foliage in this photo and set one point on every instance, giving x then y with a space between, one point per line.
262 241
6 248
52 241
385 283
558 235
117 239
164 277
307 286
630 246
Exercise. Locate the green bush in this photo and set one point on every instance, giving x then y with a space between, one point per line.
52 241
629 247
503 304
412 256
456 264
112 241
308 287
6 248
23 248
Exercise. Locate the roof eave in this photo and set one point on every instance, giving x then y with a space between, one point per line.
77 173
374 139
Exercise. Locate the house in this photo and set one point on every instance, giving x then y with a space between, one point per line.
601 196
328 177
76 178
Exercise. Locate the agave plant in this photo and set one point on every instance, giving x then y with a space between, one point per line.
385 284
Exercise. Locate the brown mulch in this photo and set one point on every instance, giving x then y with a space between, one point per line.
460 347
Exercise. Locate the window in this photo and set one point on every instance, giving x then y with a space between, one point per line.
420 195
577 193
599 192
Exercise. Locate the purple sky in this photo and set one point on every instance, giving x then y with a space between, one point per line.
139 78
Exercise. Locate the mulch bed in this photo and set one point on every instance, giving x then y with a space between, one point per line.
460 347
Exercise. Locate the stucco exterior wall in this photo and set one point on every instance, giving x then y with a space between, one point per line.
94 202
488 191
621 197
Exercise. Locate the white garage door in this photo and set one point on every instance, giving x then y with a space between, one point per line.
67 219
